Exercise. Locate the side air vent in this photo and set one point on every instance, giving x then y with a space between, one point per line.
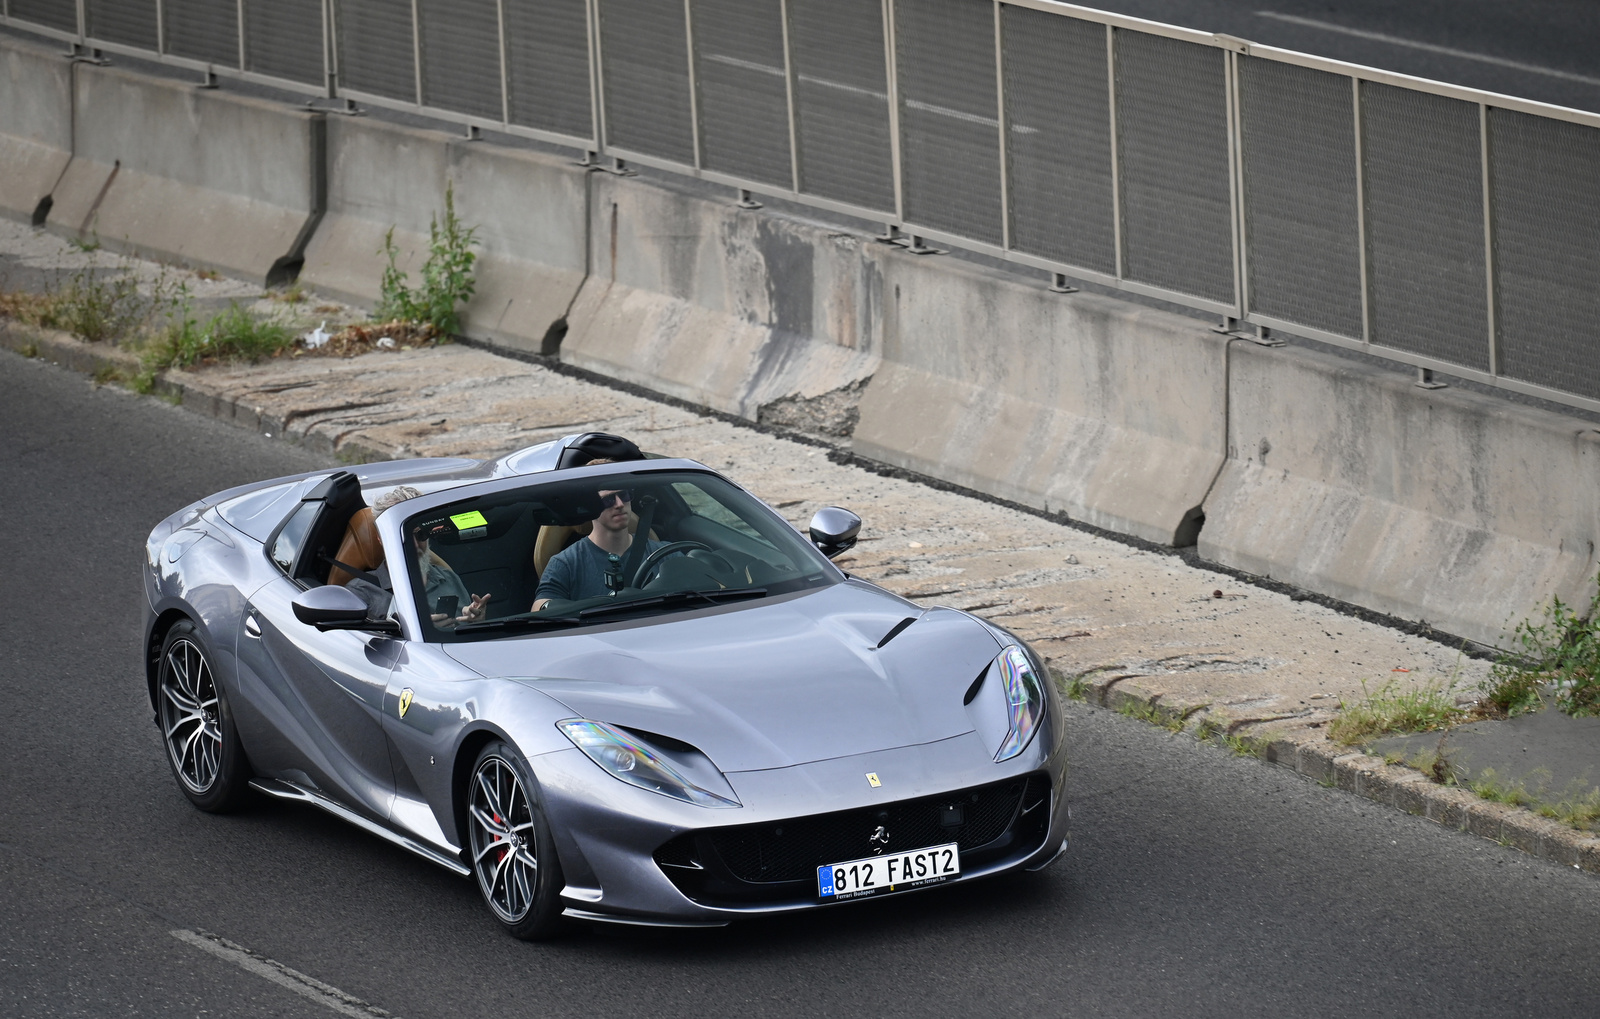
896 630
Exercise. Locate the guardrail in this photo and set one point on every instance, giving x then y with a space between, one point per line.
1435 225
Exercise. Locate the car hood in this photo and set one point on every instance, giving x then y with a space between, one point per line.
767 685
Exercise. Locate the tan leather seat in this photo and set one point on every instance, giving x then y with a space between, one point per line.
361 547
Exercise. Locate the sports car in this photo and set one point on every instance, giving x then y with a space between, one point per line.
724 724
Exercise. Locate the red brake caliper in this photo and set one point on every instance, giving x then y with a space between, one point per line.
497 838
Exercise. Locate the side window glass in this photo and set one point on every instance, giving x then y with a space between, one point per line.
287 545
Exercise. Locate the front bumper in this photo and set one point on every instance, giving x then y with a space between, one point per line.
635 857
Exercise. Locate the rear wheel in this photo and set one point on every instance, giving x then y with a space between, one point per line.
197 725
513 855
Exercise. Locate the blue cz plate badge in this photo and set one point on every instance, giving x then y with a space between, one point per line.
889 873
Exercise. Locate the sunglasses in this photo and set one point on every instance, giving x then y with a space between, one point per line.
621 498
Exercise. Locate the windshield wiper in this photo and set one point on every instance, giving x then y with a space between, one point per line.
524 621
673 599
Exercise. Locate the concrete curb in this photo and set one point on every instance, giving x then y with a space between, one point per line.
102 360
1310 754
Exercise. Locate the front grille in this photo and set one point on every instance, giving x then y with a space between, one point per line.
777 861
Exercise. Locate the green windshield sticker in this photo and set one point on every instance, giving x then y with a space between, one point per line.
463 521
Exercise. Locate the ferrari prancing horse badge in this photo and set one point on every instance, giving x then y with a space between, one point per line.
405 701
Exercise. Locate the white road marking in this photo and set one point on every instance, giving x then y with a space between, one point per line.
283 976
1428 47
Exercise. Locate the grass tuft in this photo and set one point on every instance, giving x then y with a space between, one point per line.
1394 709
1560 648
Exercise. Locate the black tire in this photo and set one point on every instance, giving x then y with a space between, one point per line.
522 887
196 724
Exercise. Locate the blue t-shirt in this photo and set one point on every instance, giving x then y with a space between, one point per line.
579 571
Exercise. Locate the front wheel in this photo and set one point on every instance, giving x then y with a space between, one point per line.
197 725
513 855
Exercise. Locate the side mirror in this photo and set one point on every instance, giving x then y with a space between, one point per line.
332 607
834 530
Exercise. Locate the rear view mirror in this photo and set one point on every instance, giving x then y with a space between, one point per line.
332 607
834 530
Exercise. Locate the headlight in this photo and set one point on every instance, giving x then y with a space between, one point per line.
629 759
1025 700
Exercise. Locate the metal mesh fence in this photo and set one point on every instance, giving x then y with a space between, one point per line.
1424 198
202 30
949 116
461 55
58 14
644 60
712 83
1172 146
743 88
129 22
283 38
547 66
1058 138
1301 208
1545 186
375 47
841 95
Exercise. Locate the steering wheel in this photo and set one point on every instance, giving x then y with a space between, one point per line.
651 561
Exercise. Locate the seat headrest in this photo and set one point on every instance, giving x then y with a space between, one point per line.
597 446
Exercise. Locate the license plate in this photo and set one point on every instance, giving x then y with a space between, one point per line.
889 872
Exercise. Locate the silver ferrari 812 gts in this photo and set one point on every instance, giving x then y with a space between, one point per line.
727 725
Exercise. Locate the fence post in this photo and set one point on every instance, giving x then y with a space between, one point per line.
597 86
416 49
1488 240
1241 279
694 83
1361 213
505 84
239 24
1004 140
1116 154
891 80
788 86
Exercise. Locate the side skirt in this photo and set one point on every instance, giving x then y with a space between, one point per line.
279 789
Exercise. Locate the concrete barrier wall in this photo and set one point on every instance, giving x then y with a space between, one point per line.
736 309
184 174
1072 402
35 124
1462 510
1443 505
528 209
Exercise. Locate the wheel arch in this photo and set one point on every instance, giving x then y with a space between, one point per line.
157 637
467 752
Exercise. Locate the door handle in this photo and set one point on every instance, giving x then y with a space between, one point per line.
251 627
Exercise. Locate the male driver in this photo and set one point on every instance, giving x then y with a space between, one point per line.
592 567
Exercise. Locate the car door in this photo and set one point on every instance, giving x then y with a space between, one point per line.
331 688
321 692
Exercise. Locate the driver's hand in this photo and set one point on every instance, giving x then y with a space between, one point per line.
539 604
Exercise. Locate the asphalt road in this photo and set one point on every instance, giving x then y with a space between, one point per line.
1548 50
1198 884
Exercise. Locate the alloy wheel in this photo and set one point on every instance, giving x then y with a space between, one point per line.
504 846
191 716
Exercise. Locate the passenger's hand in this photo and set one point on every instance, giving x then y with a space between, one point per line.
539 604
476 611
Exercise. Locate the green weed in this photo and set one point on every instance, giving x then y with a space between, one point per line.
1077 689
1395 709
448 275
233 335
1560 648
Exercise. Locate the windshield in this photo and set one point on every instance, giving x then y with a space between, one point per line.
571 552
